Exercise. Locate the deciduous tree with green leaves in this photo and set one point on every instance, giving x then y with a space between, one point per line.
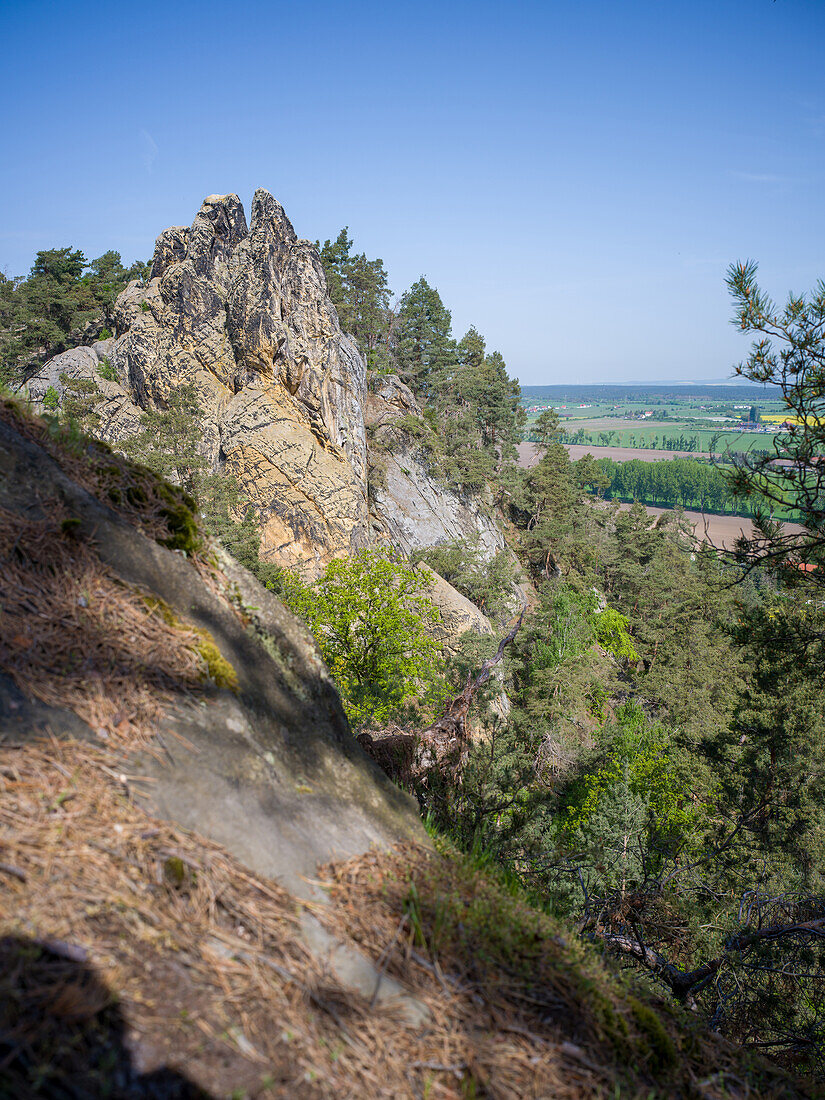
373 620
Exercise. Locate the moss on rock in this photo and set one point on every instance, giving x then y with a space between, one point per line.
218 669
660 1049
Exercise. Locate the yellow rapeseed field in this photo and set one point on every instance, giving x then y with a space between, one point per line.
774 419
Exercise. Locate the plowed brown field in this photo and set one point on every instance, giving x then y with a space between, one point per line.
528 454
718 530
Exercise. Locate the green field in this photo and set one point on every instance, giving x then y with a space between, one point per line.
652 435
690 418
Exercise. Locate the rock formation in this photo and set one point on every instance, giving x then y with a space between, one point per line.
242 313
460 616
415 509
266 766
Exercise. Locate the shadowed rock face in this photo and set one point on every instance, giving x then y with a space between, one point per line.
415 509
242 313
270 770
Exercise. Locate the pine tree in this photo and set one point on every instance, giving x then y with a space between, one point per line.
171 440
79 405
423 348
358 289
334 258
64 301
788 354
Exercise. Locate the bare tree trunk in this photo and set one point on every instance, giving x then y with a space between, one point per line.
444 744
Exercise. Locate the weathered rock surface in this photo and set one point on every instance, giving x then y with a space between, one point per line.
272 771
119 415
460 616
242 314
414 509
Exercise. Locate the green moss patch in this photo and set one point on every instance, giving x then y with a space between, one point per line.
218 669
159 509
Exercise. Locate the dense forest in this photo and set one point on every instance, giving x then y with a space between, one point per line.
679 482
659 780
683 481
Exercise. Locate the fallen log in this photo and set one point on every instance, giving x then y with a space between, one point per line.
443 746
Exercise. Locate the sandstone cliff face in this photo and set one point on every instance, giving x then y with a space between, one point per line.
414 509
241 312
458 614
119 415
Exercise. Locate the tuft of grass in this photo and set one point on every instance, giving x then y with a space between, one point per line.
106 370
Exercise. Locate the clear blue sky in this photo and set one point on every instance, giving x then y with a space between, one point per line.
573 176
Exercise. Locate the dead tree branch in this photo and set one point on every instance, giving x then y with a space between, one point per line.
443 745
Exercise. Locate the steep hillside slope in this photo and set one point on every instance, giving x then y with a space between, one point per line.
258 754
174 763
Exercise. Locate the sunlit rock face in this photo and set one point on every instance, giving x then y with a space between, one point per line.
241 312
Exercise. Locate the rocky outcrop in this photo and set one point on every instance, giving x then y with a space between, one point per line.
459 617
458 614
241 313
414 509
119 415
263 763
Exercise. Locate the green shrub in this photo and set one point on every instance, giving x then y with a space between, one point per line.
372 620
610 629
106 370
488 584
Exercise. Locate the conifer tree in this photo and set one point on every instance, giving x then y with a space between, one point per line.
424 351
788 354
64 300
358 289
171 440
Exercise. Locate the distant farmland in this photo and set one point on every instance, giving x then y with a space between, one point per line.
605 431
721 531
707 527
528 453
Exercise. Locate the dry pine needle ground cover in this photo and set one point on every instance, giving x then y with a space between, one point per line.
158 509
206 969
72 635
138 959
